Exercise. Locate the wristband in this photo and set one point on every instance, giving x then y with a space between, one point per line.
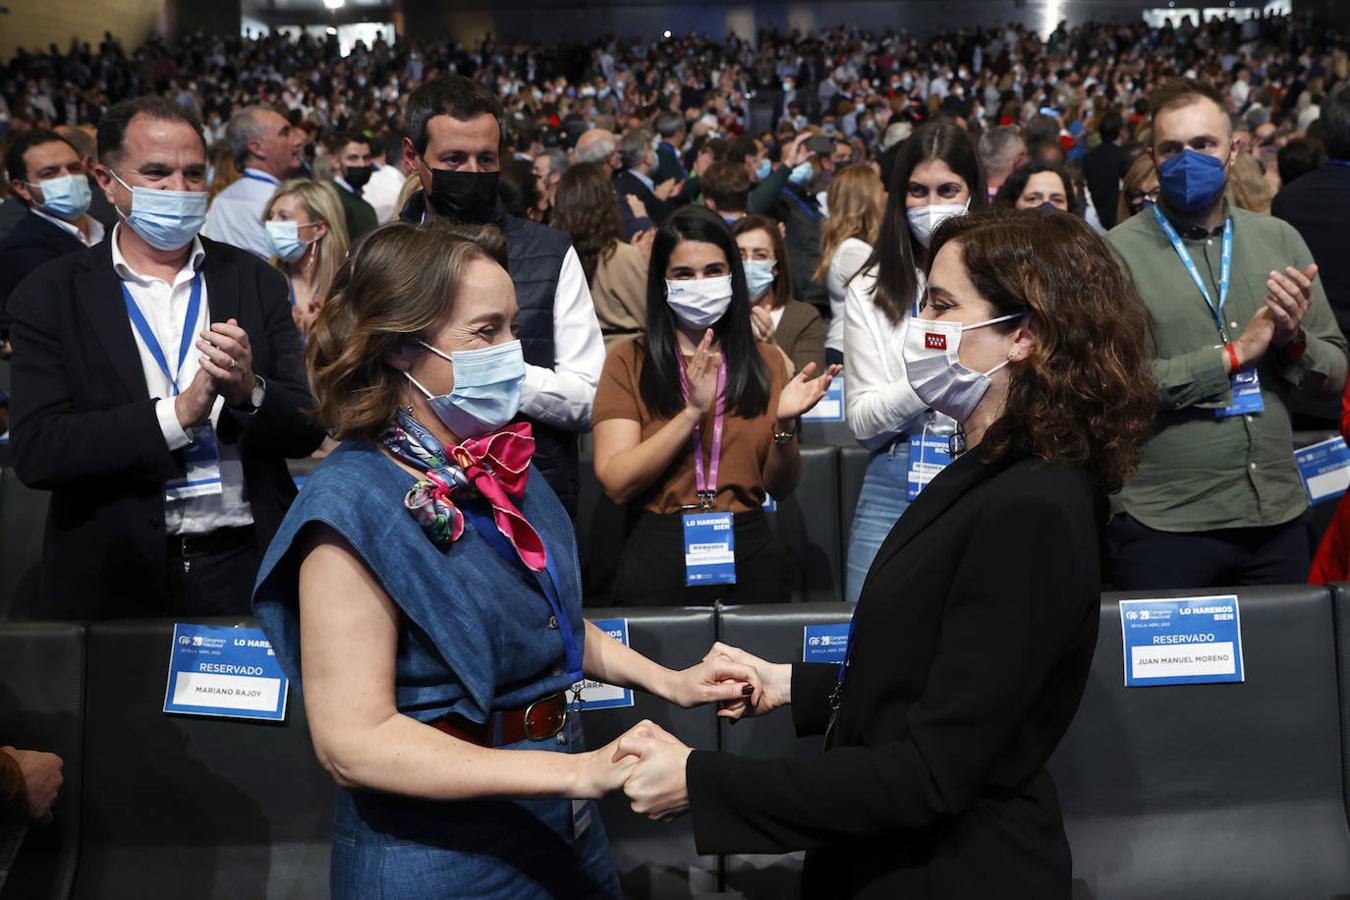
1295 348
1233 357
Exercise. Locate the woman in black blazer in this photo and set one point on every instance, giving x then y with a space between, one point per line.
975 630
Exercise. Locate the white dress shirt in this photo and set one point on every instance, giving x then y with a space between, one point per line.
95 227
382 191
164 307
848 258
879 403
562 396
236 214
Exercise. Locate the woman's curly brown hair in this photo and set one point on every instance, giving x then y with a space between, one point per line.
1086 395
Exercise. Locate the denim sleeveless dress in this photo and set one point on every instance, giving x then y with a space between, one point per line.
475 636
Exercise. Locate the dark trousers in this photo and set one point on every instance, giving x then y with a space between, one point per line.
1143 558
216 581
651 568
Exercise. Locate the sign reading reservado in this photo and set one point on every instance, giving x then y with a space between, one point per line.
222 671
1183 640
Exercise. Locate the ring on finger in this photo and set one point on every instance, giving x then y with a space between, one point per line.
233 363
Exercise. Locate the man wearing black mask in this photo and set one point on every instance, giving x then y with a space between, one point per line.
354 168
454 144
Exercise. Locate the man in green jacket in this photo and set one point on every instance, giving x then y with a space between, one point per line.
1240 324
355 165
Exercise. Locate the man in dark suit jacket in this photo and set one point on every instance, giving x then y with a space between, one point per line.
1103 168
354 168
1318 206
157 393
639 166
40 163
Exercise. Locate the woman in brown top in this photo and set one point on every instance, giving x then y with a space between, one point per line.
694 424
775 316
586 209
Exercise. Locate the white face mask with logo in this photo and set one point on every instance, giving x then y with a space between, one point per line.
924 220
699 302
935 371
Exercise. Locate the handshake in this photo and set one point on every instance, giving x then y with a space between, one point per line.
648 763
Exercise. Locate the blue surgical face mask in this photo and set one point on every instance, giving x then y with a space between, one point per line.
763 170
285 241
486 395
758 276
801 175
166 220
1192 181
66 197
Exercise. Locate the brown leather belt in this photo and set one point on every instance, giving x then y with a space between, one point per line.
541 720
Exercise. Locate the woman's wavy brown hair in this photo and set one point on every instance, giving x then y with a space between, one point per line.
586 209
1085 396
398 283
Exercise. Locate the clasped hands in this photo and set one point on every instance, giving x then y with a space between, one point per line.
226 370
648 762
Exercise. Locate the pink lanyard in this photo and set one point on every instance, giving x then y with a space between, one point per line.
706 488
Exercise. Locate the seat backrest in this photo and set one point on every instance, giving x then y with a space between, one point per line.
807 522
776 634
42 691
189 805
1218 790
852 470
23 515
658 861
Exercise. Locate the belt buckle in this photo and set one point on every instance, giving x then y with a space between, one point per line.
554 722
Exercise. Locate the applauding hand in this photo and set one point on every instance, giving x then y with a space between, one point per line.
701 372
803 392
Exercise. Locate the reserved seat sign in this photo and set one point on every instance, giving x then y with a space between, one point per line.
1184 640
223 671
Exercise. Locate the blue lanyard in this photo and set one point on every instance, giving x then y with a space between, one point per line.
152 342
291 288
1225 266
263 178
813 214
549 586
1339 162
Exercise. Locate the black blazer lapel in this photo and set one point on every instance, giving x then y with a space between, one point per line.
98 291
222 285
939 496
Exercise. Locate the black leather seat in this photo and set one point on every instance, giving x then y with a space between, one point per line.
23 515
654 860
1219 790
42 694
188 806
807 522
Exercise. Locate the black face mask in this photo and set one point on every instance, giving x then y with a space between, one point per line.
357 176
469 197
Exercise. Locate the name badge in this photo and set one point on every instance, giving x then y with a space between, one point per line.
596 694
222 671
709 549
831 406
929 454
202 477
1246 396
1325 467
825 643
1186 640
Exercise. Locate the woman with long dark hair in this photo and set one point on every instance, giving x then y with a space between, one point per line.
694 424
937 176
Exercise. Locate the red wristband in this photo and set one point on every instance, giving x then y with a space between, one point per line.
1233 357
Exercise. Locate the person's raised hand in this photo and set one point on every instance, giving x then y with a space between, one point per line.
761 323
193 406
668 188
701 373
803 392
716 679
656 786
1255 339
42 780
643 241
1290 298
228 359
797 152
775 681
635 206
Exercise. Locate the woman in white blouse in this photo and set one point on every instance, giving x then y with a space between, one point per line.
937 175
855 200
